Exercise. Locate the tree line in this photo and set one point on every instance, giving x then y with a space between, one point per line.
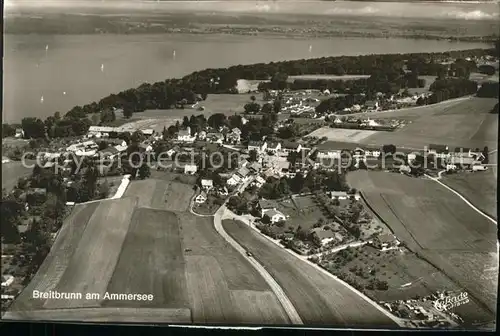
197 85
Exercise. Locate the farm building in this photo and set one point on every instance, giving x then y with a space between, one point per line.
440 151
274 215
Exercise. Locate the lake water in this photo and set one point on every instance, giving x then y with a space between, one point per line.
79 69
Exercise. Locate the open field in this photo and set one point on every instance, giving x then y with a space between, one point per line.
12 171
480 188
58 259
123 246
160 194
434 223
318 298
406 274
214 270
95 257
466 123
126 315
228 104
341 134
474 272
151 262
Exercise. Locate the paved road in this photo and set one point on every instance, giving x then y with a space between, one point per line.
292 313
408 109
399 321
462 198
339 248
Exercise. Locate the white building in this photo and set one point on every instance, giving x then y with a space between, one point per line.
339 195
185 135
99 131
274 215
207 184
234 180
201 198
7 280
190 169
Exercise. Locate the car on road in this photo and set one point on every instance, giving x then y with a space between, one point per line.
249 254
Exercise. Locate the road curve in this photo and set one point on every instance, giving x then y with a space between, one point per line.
292 313
463 198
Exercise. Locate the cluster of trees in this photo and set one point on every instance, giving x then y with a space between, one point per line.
314 181
488 90
449 88
52 127
340 103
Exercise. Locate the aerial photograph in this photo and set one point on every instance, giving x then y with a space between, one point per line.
292 163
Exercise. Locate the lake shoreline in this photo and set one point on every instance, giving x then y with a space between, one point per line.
31 71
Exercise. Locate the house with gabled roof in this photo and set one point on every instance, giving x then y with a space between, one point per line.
323 234
439 151
215 137
264 205
185 135
273 147
190 169
243 172
274 215
233 180
385 242
259 146
201 198
207 184
462 152
287 147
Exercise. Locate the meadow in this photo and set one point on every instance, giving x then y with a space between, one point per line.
479 188
318 298
436 225
466 122
147 242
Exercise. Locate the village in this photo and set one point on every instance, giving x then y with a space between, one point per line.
289 190
280 168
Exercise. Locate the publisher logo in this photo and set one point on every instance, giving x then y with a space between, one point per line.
450 302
